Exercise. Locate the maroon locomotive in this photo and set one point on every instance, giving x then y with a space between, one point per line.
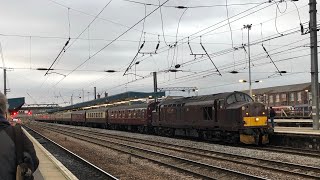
230 117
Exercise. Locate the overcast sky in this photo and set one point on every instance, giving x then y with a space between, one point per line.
33 32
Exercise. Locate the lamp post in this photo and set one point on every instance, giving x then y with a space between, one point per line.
248 26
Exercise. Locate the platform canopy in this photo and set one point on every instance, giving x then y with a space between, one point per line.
109 99
15 103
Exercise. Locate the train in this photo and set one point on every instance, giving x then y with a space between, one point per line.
231 117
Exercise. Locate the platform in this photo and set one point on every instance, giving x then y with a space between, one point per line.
293 122
49 167
296 137
297 130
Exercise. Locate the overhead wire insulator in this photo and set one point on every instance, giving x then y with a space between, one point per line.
181 7
141 45
157 47
301 29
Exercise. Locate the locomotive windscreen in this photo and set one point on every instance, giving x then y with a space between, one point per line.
239 97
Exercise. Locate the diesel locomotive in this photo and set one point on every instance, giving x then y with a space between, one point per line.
231 117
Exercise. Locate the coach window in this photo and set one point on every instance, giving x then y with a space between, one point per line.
277 98
283 97
207 113
292 97
271 99
299 99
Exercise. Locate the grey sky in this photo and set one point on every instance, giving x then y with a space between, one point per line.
47 24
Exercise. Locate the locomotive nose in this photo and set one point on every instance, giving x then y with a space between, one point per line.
254 114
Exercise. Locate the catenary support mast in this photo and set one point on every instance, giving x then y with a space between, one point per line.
5 81
314 63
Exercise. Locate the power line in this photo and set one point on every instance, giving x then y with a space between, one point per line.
176 44
104 19
185 7
253 44
89 24
113 41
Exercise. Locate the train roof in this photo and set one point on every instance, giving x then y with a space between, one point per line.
98 109
144 105
195 99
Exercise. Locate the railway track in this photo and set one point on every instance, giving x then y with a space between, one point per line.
272 165
186 165
80 167
302 152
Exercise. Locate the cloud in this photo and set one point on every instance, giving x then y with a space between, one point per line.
49 22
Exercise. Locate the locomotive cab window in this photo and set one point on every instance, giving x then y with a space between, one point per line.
221 104
238 97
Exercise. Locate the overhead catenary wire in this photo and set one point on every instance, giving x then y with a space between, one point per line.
74 40
277 8
140 46
220 22
69 21
197 75
162 28
253 59
112 41
2 57
175 51
202 6
257 42
66 44
103 19
237 19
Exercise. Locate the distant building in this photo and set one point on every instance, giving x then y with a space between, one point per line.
288 95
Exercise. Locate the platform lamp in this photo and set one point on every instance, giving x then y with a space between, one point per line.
250 90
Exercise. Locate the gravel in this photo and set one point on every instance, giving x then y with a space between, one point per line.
284 157
80 169
115 163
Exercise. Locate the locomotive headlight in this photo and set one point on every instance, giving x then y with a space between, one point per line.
257 119
243 108
263 113
247 113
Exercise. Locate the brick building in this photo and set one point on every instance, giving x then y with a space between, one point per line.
289 95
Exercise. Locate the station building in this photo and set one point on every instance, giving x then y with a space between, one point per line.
288 95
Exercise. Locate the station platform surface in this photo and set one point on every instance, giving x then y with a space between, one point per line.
293 120
296 130
49 167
